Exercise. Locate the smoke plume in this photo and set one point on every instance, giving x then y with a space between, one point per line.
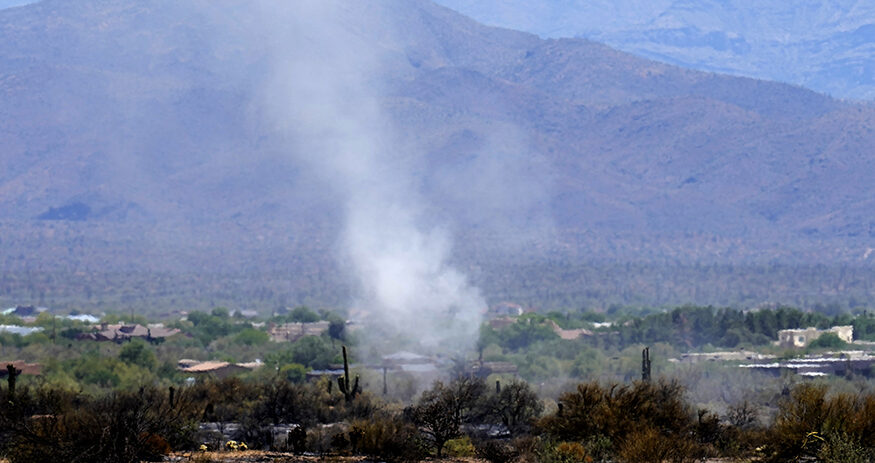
324 98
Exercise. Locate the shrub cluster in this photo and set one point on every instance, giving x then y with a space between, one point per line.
813 424
637 422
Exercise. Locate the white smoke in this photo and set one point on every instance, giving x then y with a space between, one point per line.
325 98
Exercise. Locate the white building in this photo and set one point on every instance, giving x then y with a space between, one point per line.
804 337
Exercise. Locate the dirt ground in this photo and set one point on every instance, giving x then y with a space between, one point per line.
254 456
258 456
277 457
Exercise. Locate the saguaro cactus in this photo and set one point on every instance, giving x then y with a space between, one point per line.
349 390
645 364
13 374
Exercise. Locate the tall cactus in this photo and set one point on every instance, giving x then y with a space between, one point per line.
12 373
349 391
645 364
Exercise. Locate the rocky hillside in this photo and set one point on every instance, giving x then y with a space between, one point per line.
823 45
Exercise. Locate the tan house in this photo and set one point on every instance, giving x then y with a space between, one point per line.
800 338
216 368
569 335
291 332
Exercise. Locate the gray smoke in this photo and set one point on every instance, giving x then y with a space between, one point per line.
324 98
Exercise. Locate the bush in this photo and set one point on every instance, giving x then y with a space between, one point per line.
651 446
828 341
387 437
496 451
460 447
443 409
616 411
616 419
811 423
843 448
121 427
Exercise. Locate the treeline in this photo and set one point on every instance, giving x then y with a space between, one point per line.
685 328
692 327
466 417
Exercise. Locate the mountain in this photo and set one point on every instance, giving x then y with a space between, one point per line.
12 3
822 45
134 140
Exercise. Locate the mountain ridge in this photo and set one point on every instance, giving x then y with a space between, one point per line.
824 46
142 121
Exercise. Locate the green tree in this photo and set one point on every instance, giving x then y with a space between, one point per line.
138 353
251 337
303 314
828 341
294 372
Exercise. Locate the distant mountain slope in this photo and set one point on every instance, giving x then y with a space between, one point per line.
132 137
822 45
11 3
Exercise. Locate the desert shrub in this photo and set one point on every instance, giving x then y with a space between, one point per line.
563 452
599 447
119 427
843 448
515 407
651 446
460 447
742 432
254 433
808 419
441 410
616 411
863 425
708 428
743 415
328 439
281 401
387 437
617 417
496 450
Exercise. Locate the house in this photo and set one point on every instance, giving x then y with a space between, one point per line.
22 311
724 356
837 364
332 373
217 368
84 318
484 369
120 332
569 335
291 332
409 362
800 338
26 313
505 309
21 330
